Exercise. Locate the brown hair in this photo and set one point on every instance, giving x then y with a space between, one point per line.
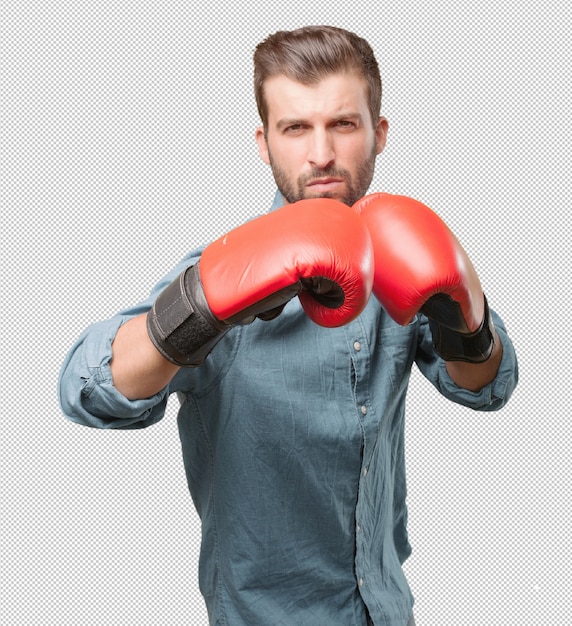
309 54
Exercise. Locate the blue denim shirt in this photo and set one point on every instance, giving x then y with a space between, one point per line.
293 445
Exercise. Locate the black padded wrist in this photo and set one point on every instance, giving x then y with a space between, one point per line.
475 347
180 323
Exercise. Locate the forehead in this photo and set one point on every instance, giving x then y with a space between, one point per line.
331 96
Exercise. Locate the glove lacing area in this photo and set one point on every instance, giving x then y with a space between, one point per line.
180 323
452 339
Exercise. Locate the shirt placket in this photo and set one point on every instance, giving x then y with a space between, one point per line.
361 363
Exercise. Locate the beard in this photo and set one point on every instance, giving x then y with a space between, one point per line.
295 190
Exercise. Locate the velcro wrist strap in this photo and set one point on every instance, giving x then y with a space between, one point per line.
180 323
473 347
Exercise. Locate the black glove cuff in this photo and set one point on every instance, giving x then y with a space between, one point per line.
180 323
473 347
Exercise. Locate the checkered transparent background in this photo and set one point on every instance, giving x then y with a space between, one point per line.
128 139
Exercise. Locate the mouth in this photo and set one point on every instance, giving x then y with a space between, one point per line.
325 184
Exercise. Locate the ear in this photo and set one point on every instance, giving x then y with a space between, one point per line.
262 145
381 134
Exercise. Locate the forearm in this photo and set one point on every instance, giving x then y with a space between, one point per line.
474 376
138 369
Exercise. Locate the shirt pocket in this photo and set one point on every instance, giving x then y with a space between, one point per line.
395 352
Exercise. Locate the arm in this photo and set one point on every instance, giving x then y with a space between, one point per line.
137 367
319 250
474 376
490 397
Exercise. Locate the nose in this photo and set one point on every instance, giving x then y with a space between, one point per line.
321 150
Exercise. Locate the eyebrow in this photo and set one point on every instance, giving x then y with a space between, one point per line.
290 121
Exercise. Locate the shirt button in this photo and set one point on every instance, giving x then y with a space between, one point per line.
358 528
365 471
363 409
361 582
357 346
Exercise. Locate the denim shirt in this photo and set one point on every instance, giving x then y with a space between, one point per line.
293 446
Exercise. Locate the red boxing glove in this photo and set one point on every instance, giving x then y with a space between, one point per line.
320 246
420 266
318 249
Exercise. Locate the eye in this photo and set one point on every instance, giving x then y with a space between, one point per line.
294 129
345 124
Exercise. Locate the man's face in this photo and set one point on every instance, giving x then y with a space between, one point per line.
320 142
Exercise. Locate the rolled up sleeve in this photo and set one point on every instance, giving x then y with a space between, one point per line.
86 392
85 387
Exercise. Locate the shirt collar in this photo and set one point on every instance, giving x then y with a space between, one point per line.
277 202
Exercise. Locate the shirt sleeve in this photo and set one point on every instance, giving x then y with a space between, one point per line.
492 396
85 387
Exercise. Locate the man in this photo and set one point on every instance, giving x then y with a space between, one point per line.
292 380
